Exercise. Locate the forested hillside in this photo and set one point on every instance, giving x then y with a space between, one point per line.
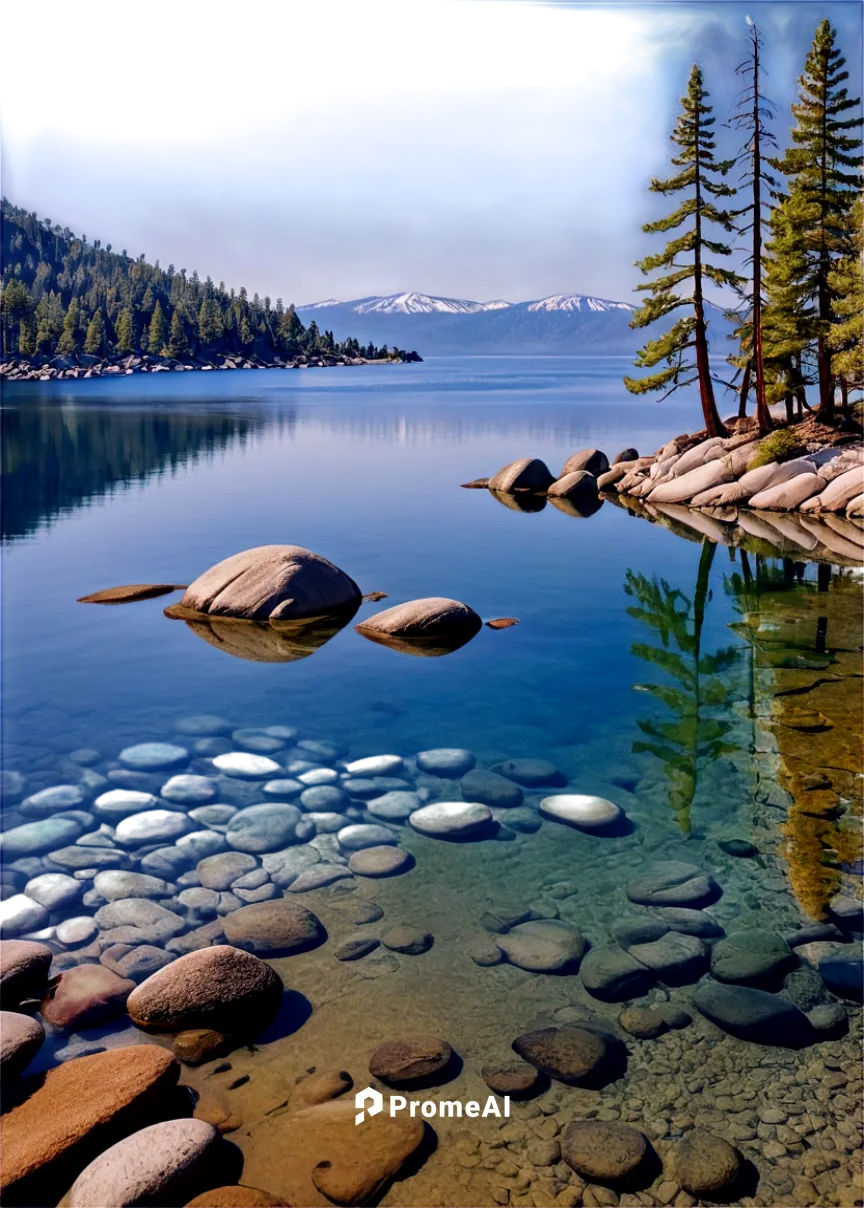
64 296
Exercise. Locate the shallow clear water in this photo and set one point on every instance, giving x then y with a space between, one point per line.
153 479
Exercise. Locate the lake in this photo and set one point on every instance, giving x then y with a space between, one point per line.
690 684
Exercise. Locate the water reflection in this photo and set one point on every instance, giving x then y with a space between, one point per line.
268 642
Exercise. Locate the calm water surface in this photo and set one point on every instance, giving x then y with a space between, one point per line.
154 479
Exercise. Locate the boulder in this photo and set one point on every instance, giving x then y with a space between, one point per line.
785 496
528 474
164 1164
673 883
278 926
842 971
703 1164
20 914
577 485
219 988
24 969
120 803
614 976
410 941
219 872
684 487
85 995
237 1196
591 461
264 828
452 819
532 773
604 1151
490 788
431 618
750 956
675 958
319 1156
581 811
273 582
543 946
36 838
411 1060
628 454
20 1040
75 1111
774 474
752 1014
570 1054
450 762
518 1079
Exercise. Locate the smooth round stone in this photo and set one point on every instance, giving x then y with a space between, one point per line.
362 788
490 789
263 828
78 858
218 988
642 1022
518 1079
376 765
152 922
12 786
395 807
614 976
138 782
74 932
166 862
85 757
221 871
325 751
210 747
356 947
148 1166
842 971
676 958
34 838
20 1040
410 1059
114 885
283 790
542 946
284 867
187 789
359 835
638 931
533 773
317 878
20 914
217 816
324 797
280 925
154 756
451 819
286 733
673 883
120 803
829 1019
257 741
752 1014
570 1054
449 762
581 811
51 801
295 766
202 725
703 1164
245 766
319 776
152 826
198 844
327 823
691 922
603 1150
411 941
54 890
142 962
743 849
521 819
199 902
384 861
359 910
750 956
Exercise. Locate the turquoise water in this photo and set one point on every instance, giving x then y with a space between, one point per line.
154 479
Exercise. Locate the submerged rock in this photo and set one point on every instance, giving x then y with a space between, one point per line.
433 618
410 1060
272 582
382 861
581 811
704 1164
24 969
673 883
569 1054
452 819
154 756
20 1040
84 996
543 946
450 762
490 788
20 915
753 1014
278 926
750 956
518 1079
532 773
603 1150
614 976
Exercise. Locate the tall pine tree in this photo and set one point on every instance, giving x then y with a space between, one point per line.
95 337
684 260
823 171
125 331
157 331
178 345
846 337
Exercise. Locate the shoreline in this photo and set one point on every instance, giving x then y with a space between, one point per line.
83 366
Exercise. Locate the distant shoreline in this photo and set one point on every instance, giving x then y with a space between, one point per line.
82 366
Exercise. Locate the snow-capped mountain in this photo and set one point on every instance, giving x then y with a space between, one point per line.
561 323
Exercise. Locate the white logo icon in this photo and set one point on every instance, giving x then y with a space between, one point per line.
371 1100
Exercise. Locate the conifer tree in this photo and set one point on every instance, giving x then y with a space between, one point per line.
68 342
125 331
823 171
95 337
846 280
156 339
789 317
683 260
246 334
178 345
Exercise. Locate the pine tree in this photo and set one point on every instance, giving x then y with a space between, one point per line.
68 342
125 331
178 345
751 116
846 281
16 306
684 260
246 333
823 171
156 339
95 337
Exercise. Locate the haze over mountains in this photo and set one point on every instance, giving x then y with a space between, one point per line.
561 323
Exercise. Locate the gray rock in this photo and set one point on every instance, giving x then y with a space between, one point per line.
842 971
154 757
362 788
54 890
140 963
848 911
324 797
20 915
34 838
189 790
528 474
673 883
273 582
202 725
210 747
263 828
283 789
51 801
114 885
490 789
327 823
318 877
221 871
449 762
383 861
164 1163
638 931
244 766
281 925
452 819
323 752
750 956
690 922
356 947
592 460
411 941
358 836
675 958
614 976
152 922
581 811
579 485
199 844
532 773
75 858
20 1040
215 816
120 803
316 776
828 1019
543 946
72 933
752 1014
166 862
152 827
376 765
284 867
258 741
394 807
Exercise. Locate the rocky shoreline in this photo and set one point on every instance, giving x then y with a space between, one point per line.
73 368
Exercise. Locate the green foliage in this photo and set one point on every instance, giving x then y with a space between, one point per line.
178 345
695 737
781 445
95 337
846 280
125 331
156 338
690 257
68 342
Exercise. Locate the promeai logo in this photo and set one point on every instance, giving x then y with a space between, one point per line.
370 1102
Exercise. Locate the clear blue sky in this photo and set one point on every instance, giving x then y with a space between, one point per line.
472 148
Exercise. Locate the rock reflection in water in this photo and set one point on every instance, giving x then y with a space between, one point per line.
270 642
525 501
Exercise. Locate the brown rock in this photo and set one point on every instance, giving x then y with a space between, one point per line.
642 1022
578 485
23 972
383 861
528 474
592 461
280 925
703 1164
237 1197
84 996
516 1080
131 591
569 1054
320 1087
410 1060
197 1045
20 1040
75 1111
603 1151
435 617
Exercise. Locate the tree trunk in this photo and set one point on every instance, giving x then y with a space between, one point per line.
763 415
713 423
745 389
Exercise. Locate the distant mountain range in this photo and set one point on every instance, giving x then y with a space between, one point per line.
562 323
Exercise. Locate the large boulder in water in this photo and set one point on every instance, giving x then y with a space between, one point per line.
577 485
272 582
753 1014
592 460
528 474
434 618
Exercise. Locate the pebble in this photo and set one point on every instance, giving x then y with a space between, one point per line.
258 741
244 766
376 765
152 826
154 757
54 891
324 797
202 725
34 838
189 790
361 835
395 807
449 762
451 819
581 811
411 941
263 828
120 803
51 801
20 915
